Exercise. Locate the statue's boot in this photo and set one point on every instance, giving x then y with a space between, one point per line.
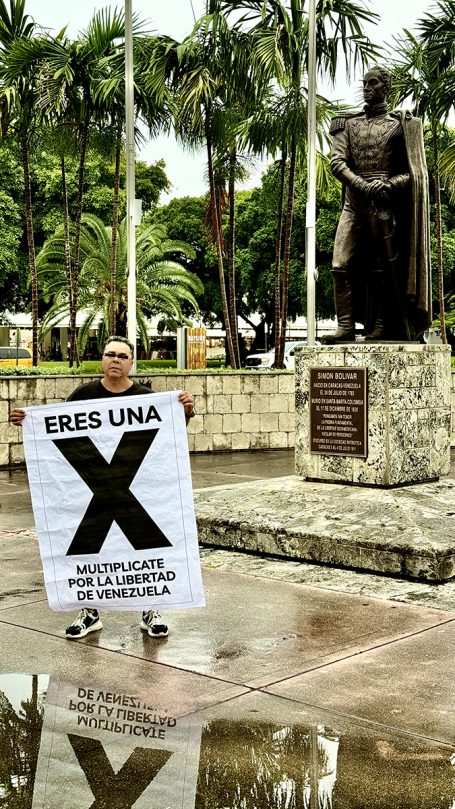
379 293
344 306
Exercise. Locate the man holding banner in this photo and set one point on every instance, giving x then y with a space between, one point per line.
128 532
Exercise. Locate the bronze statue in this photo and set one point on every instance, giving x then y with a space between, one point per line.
381 264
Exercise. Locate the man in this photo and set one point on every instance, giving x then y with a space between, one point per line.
117 361
381 265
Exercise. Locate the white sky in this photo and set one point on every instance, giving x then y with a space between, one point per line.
175 17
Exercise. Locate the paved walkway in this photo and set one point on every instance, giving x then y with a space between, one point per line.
295 681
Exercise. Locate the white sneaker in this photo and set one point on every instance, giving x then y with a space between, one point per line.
87 621
153 623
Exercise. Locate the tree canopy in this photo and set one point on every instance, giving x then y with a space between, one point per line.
236 84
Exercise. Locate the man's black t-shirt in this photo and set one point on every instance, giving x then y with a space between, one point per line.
96 390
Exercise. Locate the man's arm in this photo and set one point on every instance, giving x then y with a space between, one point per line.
187 400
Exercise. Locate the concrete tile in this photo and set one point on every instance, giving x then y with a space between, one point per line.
36 652
406 685
15 502
252 632
22 578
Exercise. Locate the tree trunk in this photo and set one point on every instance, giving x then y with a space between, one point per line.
231 259
438 233
66 231
286 257
115 211
77 238
30 246
219 252
278 238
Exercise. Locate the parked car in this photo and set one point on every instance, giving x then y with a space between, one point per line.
8 356
266 360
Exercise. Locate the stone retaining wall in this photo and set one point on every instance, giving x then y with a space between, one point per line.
235 411
452 396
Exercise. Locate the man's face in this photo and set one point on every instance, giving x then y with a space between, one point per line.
117 360
373 88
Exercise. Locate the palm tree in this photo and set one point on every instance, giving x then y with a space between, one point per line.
280 47
417 75
108 82
230 167
437 32
68 92
196 73
80 65
164 286
19 116
447 166
266 131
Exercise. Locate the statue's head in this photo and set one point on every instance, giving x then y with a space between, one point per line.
376 85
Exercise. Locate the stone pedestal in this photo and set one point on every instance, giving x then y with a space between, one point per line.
408 414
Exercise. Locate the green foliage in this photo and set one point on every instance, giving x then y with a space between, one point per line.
46 178
37 370
256 226
150 182
188 84
99 181
13 252
255 255
12 269
185 220
163 284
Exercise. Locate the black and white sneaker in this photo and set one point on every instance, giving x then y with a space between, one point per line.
87 621
153 623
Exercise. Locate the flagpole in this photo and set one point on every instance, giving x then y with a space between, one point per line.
310 251
130 179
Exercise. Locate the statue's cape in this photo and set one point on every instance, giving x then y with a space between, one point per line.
419 266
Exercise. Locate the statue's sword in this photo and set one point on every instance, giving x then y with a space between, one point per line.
388 229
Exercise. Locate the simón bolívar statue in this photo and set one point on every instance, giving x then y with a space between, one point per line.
381 264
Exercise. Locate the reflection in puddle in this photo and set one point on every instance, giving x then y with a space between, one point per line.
114 749
21 719
257 765
65 745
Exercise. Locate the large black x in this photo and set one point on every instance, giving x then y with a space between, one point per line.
121 790
112 498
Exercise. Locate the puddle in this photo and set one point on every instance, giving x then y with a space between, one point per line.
81 745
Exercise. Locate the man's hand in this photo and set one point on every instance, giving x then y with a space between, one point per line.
376 190
380 191
187 400
17 416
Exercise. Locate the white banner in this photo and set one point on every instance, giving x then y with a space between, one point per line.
110 481
102 747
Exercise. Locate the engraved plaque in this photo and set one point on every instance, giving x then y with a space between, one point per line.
338 411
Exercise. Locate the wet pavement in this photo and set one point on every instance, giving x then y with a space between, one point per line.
298 686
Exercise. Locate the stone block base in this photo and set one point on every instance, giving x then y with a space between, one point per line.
408 414
406 532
